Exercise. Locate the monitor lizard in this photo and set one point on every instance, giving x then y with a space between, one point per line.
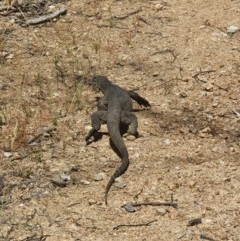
114 108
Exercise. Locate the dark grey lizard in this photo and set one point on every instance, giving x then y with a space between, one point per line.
113 109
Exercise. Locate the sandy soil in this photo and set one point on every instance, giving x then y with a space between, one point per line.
179 56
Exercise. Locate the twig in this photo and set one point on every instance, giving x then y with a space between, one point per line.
167 51
133 225
143 20
171 204
73 204
45 18
127 15
35 237
202 72
110 26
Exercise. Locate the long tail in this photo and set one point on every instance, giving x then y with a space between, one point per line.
114 132
121 170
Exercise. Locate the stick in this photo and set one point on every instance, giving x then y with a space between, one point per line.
46 18
133 225
171 204
127 15
202 72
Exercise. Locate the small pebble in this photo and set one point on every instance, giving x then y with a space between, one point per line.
232 29
183 95
129 208
191 184
130 138
7 154
208 87
84 182
237 112
161 211
158 6
194 222
64 177
92 201
61 180
99 176
119 185
167 142
204 236
10 56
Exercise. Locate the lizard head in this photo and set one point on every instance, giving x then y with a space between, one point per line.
101 82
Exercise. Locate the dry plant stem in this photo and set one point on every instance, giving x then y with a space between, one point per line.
171 204
46 18
133 225
15 131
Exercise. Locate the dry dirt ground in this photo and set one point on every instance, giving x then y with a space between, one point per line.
179 56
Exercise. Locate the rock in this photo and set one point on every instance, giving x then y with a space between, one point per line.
84 182
61 180
92 201
10 56
208 87
4 200
99 176
119 183
232 29
158 7
65 177
7 154
194 222
129 208
191 184
167 142
237 112
183 95
205 133
207 237
130 137
161 211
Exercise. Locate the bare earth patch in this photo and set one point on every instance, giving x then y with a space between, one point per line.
176 54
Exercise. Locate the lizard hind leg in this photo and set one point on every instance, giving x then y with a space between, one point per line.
130 119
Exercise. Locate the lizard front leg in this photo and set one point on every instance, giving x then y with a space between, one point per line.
102 103
97 118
